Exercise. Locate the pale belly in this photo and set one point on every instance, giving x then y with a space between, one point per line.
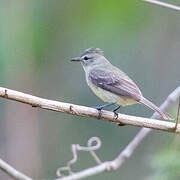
107 96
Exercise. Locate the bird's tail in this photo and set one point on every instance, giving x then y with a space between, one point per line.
165 115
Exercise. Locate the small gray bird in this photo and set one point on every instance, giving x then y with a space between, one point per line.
111 84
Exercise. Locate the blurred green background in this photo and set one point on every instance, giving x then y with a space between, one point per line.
37 41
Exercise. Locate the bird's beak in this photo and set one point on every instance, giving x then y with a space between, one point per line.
76 59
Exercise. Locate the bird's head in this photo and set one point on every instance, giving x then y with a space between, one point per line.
91 57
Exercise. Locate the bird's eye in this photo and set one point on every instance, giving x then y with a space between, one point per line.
86 58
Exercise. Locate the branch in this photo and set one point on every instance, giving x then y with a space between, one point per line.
163 4
75 148
128 150
88 112
12 172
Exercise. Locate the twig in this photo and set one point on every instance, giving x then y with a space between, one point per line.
75 148
178 113
128 150
93 154
86 111
163 4
13 172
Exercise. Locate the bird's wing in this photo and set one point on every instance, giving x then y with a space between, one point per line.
112 82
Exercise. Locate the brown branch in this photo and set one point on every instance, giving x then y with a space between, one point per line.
87 111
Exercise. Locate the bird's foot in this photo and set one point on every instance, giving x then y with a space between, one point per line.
115 113
99 108
100 113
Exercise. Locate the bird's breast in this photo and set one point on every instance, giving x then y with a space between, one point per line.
107 96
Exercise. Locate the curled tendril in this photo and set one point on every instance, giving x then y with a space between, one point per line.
75 148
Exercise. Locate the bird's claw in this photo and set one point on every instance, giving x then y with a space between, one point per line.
115 115
100 113
99 108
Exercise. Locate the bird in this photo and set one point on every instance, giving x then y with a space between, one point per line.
111 84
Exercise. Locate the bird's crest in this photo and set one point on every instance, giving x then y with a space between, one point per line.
92 50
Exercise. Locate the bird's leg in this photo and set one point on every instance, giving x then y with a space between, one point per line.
103 106
115 113
99 108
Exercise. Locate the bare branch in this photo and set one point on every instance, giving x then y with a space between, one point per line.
163 4
13 172
108 116
86 111
75 148
178 113
129 149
